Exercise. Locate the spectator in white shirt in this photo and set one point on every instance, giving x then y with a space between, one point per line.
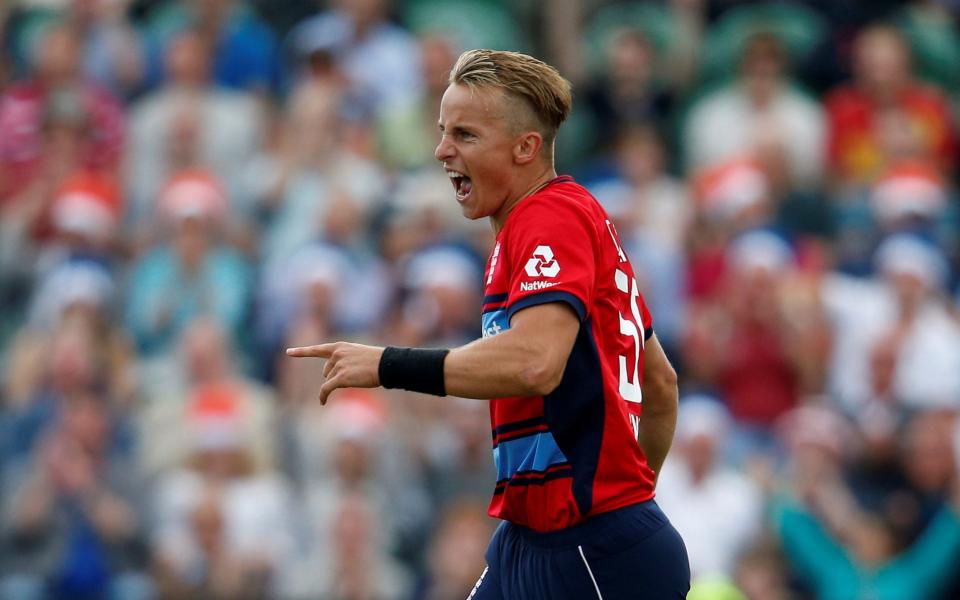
900 308
695 482
760 105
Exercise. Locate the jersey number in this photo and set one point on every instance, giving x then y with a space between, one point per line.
629 386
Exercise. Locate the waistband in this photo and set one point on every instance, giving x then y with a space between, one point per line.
634 522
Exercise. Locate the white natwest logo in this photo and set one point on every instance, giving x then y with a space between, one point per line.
542 263
531 286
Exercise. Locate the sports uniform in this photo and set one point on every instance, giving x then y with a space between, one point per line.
573 485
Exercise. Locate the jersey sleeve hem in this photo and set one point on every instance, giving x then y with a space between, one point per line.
648 333
546 298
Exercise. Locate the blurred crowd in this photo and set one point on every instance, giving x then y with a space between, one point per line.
189 186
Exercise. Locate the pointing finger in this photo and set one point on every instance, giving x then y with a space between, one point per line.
318 351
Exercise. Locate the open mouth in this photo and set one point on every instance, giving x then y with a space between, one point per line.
462 185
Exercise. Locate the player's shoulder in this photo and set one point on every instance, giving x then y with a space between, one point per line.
561 200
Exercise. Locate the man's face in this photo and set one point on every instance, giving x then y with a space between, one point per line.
188 60
476 148
57 56
881 61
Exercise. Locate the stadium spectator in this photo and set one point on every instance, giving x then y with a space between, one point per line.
743 344
113 53
803 215
111 50
361 499
380 60
883 81
223 523
625 95
758 378
71 524
695 481
205 358
853 551
52 124
78 294
82 354
760 104
192 272
360 567
81 220
928 466
85 218
407 129
912 196
450 443
189 122
645 200
307 291
762 573
729 199
909 196
243 51
439 306
902 309
303 297
816 443
54 121
314 169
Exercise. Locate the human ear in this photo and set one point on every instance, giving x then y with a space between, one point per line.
527 147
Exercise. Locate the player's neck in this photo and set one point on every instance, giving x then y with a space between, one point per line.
545 176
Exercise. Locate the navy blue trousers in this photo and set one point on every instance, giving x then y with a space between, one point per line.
632 553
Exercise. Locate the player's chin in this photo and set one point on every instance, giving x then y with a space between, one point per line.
472 210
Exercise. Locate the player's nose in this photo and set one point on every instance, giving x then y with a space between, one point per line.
444 150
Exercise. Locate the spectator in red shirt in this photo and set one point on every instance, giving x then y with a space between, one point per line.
740 344
882 83
56 117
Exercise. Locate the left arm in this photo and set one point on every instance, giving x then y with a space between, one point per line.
660 398
526 360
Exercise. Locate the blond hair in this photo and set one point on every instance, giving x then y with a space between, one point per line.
541 88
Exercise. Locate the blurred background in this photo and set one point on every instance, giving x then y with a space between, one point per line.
189 186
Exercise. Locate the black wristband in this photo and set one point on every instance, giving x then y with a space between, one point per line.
413 369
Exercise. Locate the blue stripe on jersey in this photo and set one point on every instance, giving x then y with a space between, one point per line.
533 453
494 322
546 297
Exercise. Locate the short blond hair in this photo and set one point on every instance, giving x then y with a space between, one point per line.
541 87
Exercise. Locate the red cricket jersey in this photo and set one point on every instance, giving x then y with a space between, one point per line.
572 453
